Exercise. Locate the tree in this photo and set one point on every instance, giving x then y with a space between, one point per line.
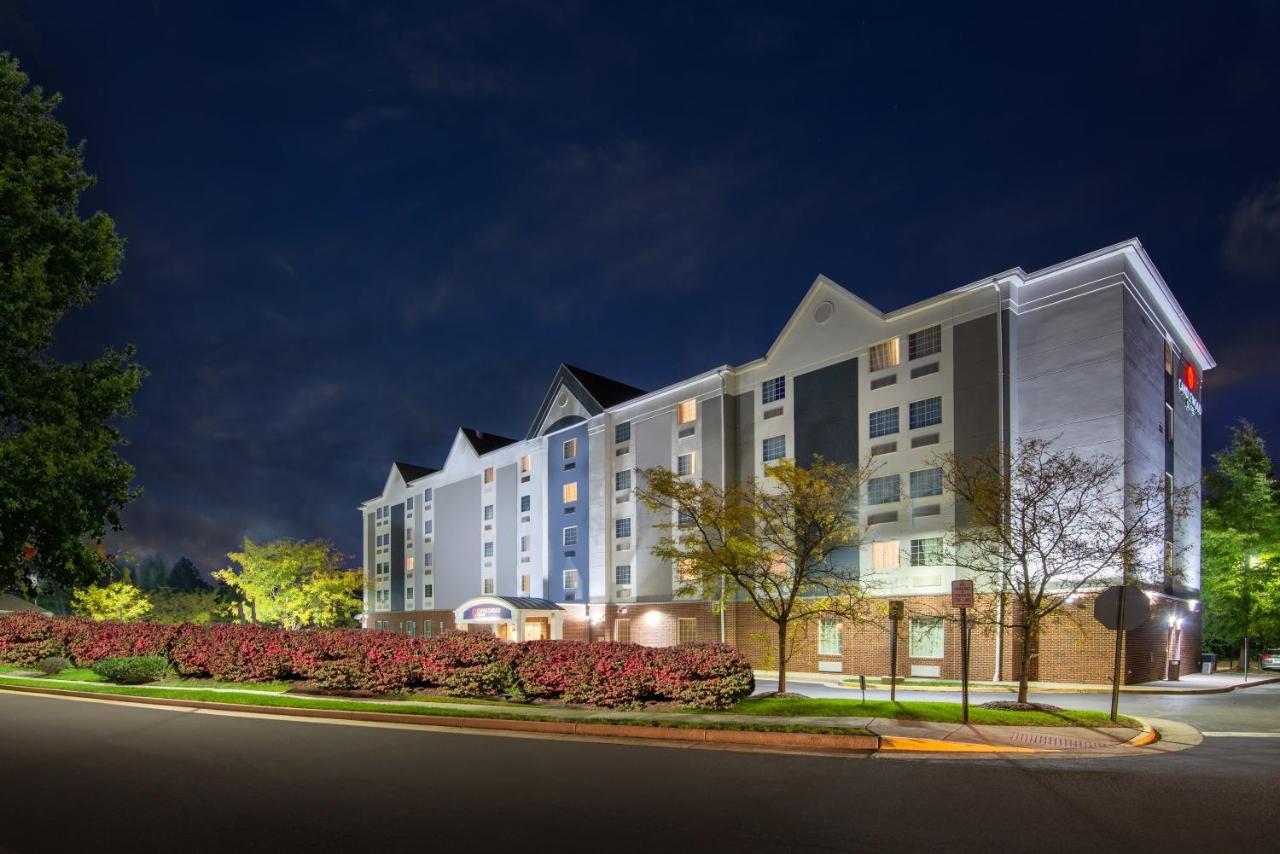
185 577
185 606
62 482
1240 583
119 601
1051 525
294 583
785 542
151 574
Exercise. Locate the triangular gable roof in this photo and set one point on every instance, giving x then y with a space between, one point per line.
482 443
596 393
411 472
823 289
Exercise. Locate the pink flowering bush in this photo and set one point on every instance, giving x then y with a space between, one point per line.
463 664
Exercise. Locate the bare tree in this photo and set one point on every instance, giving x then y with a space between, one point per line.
1048 524
782 540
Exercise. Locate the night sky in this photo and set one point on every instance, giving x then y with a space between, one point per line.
354 227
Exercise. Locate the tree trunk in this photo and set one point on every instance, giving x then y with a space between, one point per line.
782 658
1026 662
253 612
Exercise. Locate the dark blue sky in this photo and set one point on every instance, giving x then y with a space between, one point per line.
354 227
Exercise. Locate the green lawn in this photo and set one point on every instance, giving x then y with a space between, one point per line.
78 674
297 702
941 712
274 687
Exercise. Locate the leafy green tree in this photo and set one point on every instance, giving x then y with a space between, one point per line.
1240 580
119 600
185 577
294 583
151 574
784 542
62 482
185 606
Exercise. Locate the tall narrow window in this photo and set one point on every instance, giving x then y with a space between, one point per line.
622 574
570 492
773 390
524 504
488 475
1168 358
885 554
426 496
688 631
622 480
524 584
1168 423
488 549
524 542
926 342
926 637
685 464
829 640
488 512
570 535
622 631
526 464
622 528
686 411
622 432
570 449
571 579
883 355
488 587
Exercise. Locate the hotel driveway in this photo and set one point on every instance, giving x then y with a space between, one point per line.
81 775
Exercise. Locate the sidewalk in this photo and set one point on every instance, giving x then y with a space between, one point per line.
1193 683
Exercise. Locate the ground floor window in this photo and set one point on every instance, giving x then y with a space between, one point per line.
622 631
426 628
926 637
410 628
829 639
688 630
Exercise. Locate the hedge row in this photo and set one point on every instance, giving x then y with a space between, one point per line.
460 663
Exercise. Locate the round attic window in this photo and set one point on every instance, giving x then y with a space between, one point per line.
563 400
824 312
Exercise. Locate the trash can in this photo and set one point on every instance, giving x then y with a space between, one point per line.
1208 662
1174 669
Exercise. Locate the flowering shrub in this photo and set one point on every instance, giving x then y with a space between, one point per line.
463 664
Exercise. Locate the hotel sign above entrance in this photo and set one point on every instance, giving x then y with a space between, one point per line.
487 612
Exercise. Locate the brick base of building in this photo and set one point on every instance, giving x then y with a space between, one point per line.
1072 646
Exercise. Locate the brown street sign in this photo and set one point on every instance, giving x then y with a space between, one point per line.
962 593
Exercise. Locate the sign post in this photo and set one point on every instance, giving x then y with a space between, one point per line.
896 609
962 598
1121 608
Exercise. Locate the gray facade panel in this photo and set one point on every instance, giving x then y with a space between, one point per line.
745 452
370 549
1144 395
826 414
397 557
457 542
712 441
976 382
506 528
652 449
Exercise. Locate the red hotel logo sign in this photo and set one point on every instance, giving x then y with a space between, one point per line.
486 612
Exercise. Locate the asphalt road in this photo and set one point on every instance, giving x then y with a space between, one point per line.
89 776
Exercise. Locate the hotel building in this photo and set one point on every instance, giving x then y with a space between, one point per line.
542 536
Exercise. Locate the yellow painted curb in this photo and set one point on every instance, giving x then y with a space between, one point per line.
1149 735
934 745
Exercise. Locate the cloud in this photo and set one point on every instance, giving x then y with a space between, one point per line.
1252 246
373 116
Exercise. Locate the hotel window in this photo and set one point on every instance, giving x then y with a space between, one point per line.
488 512
688 630
1168 492
622 432
488 587
885 489
570 492
408 537
571 579
524 584
408 504
426 628
686 411
488 549
773 390
426 560
622 574
426 496
524 504
926 637
622 528
570 535
684 518
1168 423
408 564
622 631
427 526
526 463
926 482
884 355
926 551
428 591
774 448
925 413
488 475
408 598
885 554
829 640
1168 560
685 464
524 542
1168 358
883 422
926 342
622 480
570 449
409 627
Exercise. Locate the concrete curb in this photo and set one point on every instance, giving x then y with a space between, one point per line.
751 738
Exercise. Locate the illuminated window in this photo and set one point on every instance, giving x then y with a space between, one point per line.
885 554
685 464
408 564
925 413
570 492
884 490
926 482
1168 423
570 449
829 639
622 432
622 479
622 528
884 355
571 579
883 422
688 630
927 637
926 342
570 535
926 551
1168 492
1168 358
524 584
686 411
488 475
488 587
773 390
622 574
526 464
774 448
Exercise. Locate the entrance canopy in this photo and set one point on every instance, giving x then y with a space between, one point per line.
513 618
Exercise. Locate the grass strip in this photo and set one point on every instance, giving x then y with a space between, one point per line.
296 702
943 712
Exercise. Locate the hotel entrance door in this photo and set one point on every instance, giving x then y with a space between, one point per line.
535 629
